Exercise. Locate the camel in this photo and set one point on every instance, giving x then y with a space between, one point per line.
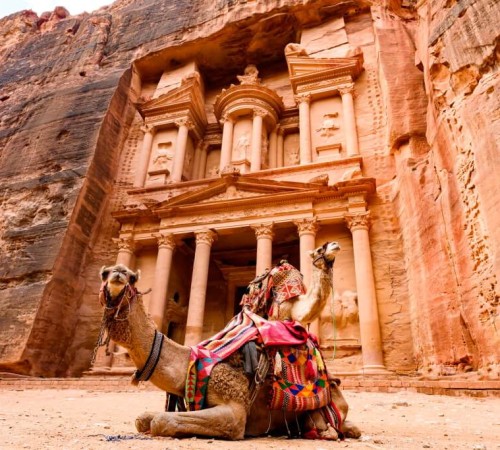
228 412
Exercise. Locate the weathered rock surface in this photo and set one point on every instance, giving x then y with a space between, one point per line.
428 126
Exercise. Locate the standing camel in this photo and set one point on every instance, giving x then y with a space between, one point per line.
228 412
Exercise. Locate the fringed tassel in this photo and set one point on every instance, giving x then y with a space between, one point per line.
278 364
310 372
319 360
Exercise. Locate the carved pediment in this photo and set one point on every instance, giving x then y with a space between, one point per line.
232 187
320 75
185 101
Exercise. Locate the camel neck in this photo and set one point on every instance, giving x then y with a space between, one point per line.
171 369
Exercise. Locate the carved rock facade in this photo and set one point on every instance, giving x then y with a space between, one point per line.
197 142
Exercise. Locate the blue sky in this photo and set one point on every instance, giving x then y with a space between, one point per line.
73 6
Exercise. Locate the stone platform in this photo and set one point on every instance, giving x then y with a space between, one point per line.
121 382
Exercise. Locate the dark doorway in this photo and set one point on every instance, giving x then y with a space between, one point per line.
240 290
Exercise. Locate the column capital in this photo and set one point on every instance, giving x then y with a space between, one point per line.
307 226
125 243
184 122
358 221
302 98
346 89
146 128
263 230
206 237
166 240
259 112
226 117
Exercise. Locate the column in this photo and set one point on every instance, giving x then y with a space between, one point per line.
180 149
226 151
202 168
264 234
166 247
196 162
256 158
280 148
144 156
126 248
197 295
371 343
305 128
351 134
307 229
273 148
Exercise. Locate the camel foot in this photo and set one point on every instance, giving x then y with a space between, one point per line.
350 430
143 422
329 434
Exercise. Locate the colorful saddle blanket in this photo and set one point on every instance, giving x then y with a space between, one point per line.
243 328
301 379
272 288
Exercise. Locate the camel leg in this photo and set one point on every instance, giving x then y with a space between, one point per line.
226 421
350 430
143 422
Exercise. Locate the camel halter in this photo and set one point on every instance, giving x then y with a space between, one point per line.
154 356
128 293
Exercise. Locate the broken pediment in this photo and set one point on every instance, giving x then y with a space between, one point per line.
184 101
234 187
317 76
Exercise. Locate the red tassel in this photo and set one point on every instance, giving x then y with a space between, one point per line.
310 372
311 434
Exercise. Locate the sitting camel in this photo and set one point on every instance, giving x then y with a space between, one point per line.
228 412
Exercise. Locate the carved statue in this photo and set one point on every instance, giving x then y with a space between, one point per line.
251 75
345 308
162 158
294 49
242 147
328 126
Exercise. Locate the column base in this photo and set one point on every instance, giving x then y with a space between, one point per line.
374 369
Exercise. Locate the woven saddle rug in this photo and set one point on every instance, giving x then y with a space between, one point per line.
243 328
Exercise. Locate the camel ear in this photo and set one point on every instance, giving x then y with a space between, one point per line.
134 277
104 272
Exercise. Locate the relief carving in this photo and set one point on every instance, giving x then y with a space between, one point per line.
242 147
345 309
163 157
328 126
358 221
250 76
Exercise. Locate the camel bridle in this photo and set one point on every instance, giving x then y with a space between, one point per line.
112 309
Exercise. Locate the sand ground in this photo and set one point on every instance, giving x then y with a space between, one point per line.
79 419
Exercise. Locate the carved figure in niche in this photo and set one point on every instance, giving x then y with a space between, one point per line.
345 308
294 49
251 75
328 126
213 172
293 156
242 147
163 157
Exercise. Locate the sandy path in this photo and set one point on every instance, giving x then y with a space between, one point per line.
77 419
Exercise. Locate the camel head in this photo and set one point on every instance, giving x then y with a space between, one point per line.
116 278
324 257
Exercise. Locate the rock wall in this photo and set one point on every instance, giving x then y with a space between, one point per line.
428 127
445 186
